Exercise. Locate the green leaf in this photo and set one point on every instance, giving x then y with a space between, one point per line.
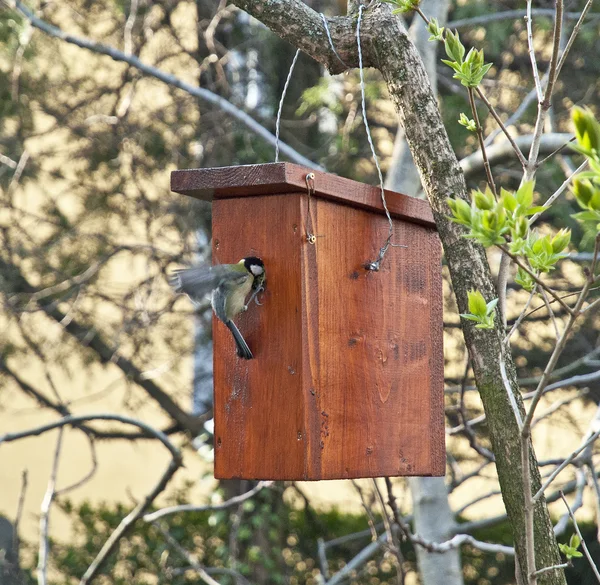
520 230
587 216
576 554
509 201
437 32
574 541
537 209
524 194
587 129
491 306
523 279
461 211
477 304
468 123
561 240
583 191
454 48
470 317
484 201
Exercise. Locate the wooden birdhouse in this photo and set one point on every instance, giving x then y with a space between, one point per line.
347 379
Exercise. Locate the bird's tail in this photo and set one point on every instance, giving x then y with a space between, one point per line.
242 348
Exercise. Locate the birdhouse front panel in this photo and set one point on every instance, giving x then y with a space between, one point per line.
258 403
347 375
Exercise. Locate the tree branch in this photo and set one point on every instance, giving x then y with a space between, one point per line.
106 355
198 92
127 522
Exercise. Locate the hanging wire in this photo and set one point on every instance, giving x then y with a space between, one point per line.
285 88
310 189
375 264
331 40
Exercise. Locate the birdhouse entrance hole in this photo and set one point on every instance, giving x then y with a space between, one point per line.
347 379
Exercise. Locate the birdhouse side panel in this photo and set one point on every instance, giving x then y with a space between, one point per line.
376 378
259 410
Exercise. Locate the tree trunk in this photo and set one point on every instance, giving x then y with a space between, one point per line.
386 46
433 518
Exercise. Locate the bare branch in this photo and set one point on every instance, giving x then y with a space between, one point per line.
187 556
212 507
573 36
42 565
534 67
504 151
486 163
566 462
510 15
20 506
588 556
198 92
560 190
544 105
503 128
106 354
127 522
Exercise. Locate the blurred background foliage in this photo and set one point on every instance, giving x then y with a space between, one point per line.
89 229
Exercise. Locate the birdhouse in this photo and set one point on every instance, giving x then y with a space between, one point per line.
347 375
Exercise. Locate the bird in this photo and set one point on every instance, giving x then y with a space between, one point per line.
230 284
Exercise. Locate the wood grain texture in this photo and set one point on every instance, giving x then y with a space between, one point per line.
375 340
278 178
258 406
347 379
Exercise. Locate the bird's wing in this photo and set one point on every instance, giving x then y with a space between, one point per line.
197 281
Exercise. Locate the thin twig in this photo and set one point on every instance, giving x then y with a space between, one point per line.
503 128
560 467
486 162
521 316
560 344
88 475
550 312
556 151
367 509
544 105
573 36
588 556
211 507
187 556
167 78
509 15
20 507
127 522
509 392
537 280
42 566
561 525
534 67
552 568
129 24
528 506
559 191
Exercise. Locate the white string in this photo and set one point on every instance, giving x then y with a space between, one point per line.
331 40
285 87
375 265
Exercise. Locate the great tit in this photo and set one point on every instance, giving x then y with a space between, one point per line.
230 285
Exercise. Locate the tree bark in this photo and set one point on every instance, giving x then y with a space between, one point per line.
433 517
387 47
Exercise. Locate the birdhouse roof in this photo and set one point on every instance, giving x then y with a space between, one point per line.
278 178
